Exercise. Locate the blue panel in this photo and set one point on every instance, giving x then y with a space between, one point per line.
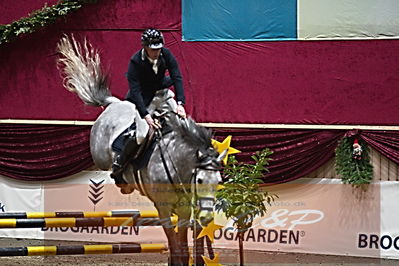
239 20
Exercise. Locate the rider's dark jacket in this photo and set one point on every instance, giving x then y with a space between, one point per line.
143 82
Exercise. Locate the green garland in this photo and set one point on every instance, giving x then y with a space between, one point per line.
40 18
353 171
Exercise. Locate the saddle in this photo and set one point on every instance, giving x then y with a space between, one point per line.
144 152
141 157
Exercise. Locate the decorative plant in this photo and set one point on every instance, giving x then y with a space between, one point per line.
352 161
241 198
40 18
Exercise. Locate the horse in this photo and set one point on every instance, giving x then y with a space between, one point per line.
183 170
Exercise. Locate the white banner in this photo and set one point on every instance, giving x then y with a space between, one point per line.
387 241
315 216
320 216
19 196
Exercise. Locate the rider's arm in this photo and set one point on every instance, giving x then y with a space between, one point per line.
134 93
175 75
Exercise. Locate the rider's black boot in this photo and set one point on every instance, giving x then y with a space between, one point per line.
129 151
117 170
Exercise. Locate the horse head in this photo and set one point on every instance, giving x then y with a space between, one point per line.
204 162
207 177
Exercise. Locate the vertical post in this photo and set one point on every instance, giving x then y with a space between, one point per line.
241 246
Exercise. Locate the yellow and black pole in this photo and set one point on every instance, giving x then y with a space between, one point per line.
80 222
82 249
79 214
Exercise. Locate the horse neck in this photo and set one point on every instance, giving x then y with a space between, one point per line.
181 154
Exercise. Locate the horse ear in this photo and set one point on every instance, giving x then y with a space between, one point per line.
222 155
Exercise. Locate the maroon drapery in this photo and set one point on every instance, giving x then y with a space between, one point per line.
31 152
385 142
286 82
311 82
296 153
42 152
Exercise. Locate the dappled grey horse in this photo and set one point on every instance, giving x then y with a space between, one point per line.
183 169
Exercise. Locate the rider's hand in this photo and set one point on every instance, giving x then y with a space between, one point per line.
180 111
151 122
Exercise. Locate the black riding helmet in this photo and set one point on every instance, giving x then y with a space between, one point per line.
152 38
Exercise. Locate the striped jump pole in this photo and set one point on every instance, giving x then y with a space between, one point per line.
82 222
122 213
82 249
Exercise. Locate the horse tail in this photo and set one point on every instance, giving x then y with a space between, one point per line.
82 73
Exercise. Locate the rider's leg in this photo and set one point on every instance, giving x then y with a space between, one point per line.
129 150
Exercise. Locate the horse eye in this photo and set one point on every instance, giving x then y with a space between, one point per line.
199 181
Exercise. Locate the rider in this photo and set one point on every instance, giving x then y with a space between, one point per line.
146 75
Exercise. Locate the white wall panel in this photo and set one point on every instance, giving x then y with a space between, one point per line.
348 19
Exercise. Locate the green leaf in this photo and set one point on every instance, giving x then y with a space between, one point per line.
241 198
352 171
39 18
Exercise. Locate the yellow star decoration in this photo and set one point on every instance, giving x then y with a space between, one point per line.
209 231
222 146
219 187
214 262
175 222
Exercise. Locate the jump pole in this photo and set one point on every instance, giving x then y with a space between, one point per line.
82 222
121 213
82 250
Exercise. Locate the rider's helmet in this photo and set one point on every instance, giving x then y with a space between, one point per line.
152 38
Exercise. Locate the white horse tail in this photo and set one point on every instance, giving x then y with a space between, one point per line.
82 72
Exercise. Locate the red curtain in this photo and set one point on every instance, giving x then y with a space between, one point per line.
285 82
31 152
312 82
385 142
40 152
296 153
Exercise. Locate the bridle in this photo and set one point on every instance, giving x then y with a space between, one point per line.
206 161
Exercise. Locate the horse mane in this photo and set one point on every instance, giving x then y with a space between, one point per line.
196 136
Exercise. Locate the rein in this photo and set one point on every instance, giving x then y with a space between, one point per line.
207 165
206 162
186 194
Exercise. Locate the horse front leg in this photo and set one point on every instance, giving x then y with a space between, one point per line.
173 245
173 242
183 245
184 214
